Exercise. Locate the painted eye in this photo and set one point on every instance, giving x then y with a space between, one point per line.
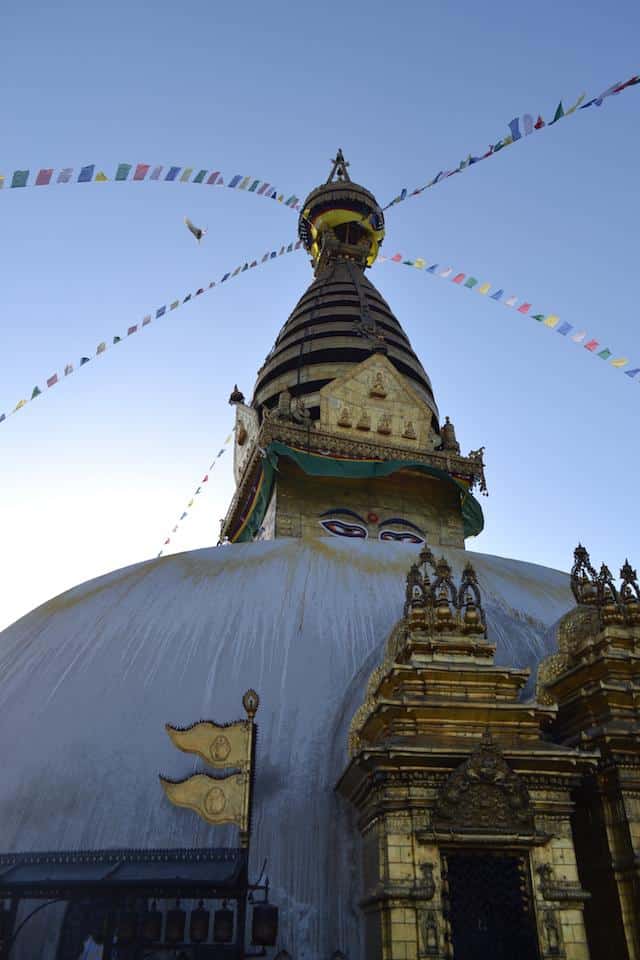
339 528
403 536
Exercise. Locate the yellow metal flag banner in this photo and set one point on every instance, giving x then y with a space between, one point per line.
222 747
216 800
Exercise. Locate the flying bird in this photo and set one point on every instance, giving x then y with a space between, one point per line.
196 231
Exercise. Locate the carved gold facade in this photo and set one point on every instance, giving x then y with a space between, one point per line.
450 771
595 681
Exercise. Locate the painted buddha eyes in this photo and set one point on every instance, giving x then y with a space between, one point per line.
339 528
404 536
345 523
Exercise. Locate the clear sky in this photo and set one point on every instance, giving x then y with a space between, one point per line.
97 471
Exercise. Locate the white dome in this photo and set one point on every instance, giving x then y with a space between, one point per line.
89 679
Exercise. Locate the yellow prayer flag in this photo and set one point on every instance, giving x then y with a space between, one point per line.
551 320
221 747
19 405
620 362
228 439
101 347
101 177
507 141
576 105
419 264
190 504
1 181
216 799
484 288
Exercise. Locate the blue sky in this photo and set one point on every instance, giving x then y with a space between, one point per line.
95 473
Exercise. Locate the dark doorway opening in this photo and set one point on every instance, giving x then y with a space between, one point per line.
491 909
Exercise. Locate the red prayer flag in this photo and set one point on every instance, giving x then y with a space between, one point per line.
132 330
141 171
167 541
458 278
397 257
52 380
524 308
205 478
214 176
43 178
591 345
539 123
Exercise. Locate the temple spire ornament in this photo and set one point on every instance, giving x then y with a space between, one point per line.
339 169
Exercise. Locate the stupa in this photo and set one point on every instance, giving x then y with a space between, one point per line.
416 794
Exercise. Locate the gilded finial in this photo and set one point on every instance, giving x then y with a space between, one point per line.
339 169
251 702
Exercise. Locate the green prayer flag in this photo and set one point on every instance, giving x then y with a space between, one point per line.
199 177
36 392
174 305
117 339
470 282
537 316
123 171
559 114
20 178
604 354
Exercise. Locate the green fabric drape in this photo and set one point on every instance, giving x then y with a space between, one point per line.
317 466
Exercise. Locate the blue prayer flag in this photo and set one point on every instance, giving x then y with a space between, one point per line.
236 180
172 173
160 312
497 295
86 173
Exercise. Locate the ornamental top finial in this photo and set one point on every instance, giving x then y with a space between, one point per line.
339 169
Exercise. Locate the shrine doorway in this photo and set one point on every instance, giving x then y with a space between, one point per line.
491 910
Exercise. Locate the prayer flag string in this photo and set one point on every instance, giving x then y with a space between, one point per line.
551 320
138 327
196 493
138 172
519 128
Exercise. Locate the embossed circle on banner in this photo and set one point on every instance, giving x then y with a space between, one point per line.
215 801
220 748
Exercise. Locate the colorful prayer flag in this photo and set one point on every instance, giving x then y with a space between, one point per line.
20 178
419 264
497 295
3 416
226 277
65 175
190 504
84 360
213 177
155 173
470 282
160 312
579 337
86 173
132 329
446 272
537 316
116 340
632 373
101 177
44 177
524 308
254 186
235 181
515 129
199 177
101 347
123 171
174 305
397 257
527 123
19 405
511 301
484 288
186 173
559 114
141 171
172 173
552 320
68 369
52 380
564 328
36 392
605 354
591 345
265 186
205 478
146 320
244 184
619 362
183 515
458 278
